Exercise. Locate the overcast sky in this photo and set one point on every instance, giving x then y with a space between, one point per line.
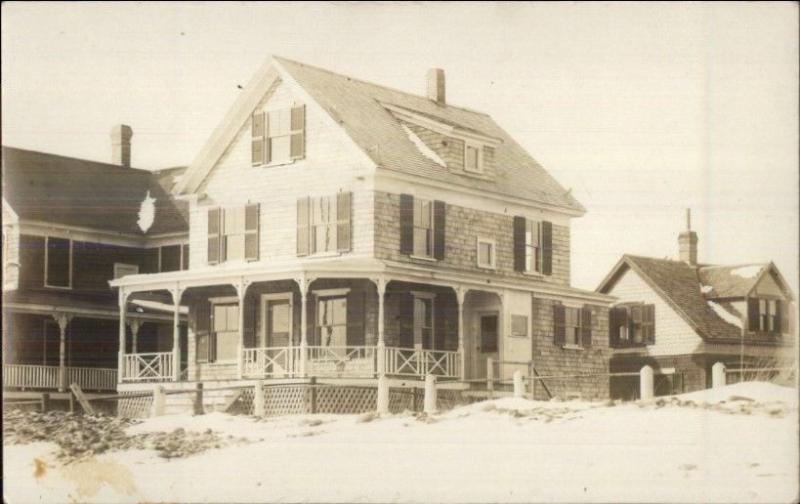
642 109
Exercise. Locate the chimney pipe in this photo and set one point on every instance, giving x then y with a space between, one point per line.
121 145
436 88
687 242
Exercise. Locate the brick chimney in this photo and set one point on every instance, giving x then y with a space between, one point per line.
121 145
687 242
436 85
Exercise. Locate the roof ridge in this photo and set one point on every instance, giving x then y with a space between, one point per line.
370 83
62 156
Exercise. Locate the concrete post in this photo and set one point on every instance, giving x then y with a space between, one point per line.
519 385
718 375
259 407
383 395
646 383
429 405
159 401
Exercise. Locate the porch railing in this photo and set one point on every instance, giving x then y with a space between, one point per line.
355 361
30 376
419 362
273 362
35 376
148 367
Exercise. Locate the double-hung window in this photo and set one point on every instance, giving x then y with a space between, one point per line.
473 158
233 234
423 227
765 315
486 253
632 324
533 246
226 331
323 224
278 136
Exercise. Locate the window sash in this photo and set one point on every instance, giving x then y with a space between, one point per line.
533 249
324 224
486 253
281 131
423 227
472 159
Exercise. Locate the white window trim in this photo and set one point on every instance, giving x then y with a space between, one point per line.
46 255
276 296
417 203
479 148
493 263
118 265
226 300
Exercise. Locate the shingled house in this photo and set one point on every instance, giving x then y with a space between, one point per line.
680 317
343 229
69 226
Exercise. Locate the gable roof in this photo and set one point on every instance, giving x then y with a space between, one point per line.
359 108
678 284
76 192
730 281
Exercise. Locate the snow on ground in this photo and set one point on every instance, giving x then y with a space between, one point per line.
509 450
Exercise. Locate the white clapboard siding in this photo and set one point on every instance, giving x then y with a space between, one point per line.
673 334
331 165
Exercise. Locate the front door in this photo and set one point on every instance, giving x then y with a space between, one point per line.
485 339
278 323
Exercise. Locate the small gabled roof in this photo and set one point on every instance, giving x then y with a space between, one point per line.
738 281
63 190
678 284
360 109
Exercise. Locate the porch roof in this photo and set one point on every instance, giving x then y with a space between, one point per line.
346 267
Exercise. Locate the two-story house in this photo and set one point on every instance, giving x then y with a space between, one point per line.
69 226
343 229
681 317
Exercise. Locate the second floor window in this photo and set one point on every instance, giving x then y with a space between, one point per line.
473 161
58 263
324 224
765 315
233 233
423 228
533 245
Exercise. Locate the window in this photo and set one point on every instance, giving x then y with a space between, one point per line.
423 228
632 325
486 253
473 161
533 248
233 234
278 136
170 258
185 257
572 327
121 270
519 326
323 224
423 321
226 331
58 263
332 321
765 315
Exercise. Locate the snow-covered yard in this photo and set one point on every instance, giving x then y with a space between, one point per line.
735 444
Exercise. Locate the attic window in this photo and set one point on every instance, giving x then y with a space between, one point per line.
278 136
473 158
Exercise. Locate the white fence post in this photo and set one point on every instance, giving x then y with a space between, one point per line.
646 383
159 400
718 375
259 407
383 395
519 385
430 394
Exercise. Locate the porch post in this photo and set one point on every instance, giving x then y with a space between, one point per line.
123 303
303 283
380 283
62 319
135 324
461 294
177 293
241 291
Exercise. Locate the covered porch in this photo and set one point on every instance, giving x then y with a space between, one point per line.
352 320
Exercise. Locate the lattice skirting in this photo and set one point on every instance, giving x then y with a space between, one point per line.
135 407
335 399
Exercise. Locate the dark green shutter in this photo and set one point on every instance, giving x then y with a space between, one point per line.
406 325
202 330
406 224
547 248
249 333
439 227
519 243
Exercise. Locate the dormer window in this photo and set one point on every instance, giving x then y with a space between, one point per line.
473 158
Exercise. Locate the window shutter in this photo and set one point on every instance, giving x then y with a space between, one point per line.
202 325
439 226
613 326
586 327
249 333
752 314
185 260
547 248
267 140
559 321
355 318
406 224
344 224
223 240
251 231
258 133
650 323
519 243
297 147
302 226
214 218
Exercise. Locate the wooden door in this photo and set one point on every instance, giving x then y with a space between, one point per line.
486 341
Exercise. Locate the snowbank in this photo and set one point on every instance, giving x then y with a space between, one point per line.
760 392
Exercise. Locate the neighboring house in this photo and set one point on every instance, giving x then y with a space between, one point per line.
681 317
69 226
344 229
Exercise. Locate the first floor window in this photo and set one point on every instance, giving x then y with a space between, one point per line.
332 321
423 227
58 260
226 331
573 326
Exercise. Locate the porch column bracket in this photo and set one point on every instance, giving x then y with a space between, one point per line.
62 319
177 294
241 292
